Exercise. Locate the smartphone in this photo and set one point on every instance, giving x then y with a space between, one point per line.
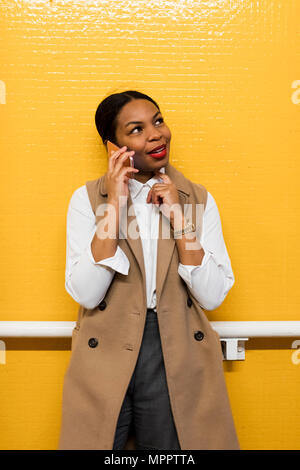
128 162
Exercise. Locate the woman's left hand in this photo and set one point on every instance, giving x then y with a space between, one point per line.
166 194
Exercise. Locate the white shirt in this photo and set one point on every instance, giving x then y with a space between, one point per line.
87 281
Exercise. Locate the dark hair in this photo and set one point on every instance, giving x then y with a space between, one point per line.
108 110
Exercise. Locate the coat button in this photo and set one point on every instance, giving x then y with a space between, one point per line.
93 342
102 305
189 302
198 335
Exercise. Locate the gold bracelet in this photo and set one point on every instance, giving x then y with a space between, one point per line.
187 229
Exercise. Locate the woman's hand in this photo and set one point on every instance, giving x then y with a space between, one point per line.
116 177
165 195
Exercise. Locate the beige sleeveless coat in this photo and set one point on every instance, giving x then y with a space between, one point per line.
97 378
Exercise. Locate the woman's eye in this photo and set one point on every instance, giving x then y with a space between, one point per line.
139 127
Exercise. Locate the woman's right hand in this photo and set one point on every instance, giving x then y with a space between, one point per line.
116 177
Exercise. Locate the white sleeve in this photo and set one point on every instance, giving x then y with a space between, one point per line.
211 281
86 280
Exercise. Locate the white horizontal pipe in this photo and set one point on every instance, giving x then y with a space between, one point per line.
256 329
226 329
37 328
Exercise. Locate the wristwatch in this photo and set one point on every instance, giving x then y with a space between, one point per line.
186 229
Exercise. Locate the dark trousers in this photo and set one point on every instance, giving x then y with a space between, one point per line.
146 406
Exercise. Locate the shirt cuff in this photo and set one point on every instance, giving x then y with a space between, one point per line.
118 262
186 270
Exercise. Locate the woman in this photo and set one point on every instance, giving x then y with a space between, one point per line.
146 368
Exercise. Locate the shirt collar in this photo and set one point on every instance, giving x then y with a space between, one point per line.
136 186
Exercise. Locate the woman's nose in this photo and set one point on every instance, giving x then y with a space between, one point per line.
154 135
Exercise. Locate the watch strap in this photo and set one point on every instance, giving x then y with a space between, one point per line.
186 229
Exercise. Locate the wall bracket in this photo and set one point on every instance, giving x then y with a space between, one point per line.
233 349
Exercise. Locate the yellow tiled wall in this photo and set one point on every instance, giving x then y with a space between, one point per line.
227 77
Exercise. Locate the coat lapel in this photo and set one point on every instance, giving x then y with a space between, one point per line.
165 246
